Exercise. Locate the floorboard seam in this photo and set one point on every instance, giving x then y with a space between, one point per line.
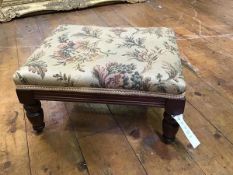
28 149
122 130
190 156
210 122
216 90
76 138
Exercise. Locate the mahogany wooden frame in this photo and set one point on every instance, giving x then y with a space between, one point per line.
31 101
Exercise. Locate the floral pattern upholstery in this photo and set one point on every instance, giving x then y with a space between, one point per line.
145 59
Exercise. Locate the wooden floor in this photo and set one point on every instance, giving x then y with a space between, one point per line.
88 139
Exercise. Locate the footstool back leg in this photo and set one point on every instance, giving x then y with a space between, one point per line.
33 109
170 126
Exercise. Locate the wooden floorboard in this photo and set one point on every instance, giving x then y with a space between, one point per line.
90 139
154 155
103 144
57 151
14 157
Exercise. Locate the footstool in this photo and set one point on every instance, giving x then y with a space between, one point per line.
116 65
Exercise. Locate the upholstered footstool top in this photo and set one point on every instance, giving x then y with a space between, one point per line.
110 59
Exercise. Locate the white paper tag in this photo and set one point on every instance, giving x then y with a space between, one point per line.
187 131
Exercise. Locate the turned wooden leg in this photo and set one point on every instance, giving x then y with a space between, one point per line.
33 109
35 115
170 126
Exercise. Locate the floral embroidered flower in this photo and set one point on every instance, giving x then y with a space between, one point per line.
118 31
35 65
87 32
117 75
77 52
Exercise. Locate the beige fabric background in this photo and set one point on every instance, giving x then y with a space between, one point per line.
145 59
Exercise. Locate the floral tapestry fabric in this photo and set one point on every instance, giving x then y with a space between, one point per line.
132 58
10 9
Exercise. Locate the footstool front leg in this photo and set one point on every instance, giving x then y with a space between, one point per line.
35 115
170 126
33 109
